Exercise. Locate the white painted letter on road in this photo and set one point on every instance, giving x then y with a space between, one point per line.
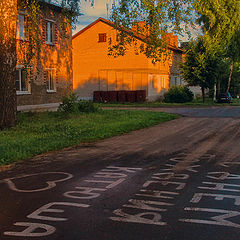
31 230
47 209
139 218
218 220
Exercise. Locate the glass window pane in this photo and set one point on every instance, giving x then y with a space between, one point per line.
24 80
17 80
20 27
51 32
51 80
49 27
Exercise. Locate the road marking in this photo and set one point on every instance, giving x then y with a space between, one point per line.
144 205
191 168
220 186
122 169
84 191
223 176
160 176
110 175
219 197
47 209
156 194
31 230
50 184
218 220
164 183
111 184
226 164
139 218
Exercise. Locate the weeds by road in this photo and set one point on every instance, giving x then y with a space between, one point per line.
38 133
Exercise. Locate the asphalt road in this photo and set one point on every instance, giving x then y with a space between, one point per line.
176 181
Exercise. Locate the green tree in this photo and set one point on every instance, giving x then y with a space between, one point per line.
221 24
202 67
150 20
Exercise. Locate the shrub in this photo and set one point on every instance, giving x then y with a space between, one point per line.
87 106
178 94
71 104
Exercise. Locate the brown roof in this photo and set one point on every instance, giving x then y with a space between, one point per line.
138 36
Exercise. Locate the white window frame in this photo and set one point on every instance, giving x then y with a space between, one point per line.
49 70
48 32
19 68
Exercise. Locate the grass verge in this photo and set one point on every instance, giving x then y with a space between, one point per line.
38 133
158 104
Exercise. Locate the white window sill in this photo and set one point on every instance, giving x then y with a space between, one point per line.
51 91
50 44
23 93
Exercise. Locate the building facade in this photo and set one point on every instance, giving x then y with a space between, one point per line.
94 70
48 75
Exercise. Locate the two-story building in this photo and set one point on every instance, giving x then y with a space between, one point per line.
48 76
94 70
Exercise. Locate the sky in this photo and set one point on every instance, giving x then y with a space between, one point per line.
90 14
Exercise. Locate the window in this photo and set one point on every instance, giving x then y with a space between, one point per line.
51 80
102 37
22 83
49 32
21 27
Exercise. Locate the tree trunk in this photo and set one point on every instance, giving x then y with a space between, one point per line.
203 93
230 77
215 92
8 60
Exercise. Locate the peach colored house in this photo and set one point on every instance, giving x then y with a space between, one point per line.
94 70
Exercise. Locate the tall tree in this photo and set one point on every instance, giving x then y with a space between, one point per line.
202 67
221 24
8 107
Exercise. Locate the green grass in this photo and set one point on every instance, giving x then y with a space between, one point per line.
38 133
157 104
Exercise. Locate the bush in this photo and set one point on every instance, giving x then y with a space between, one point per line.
72 105
178 94
87 106
69 104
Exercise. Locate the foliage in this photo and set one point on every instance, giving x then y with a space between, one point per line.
71 104
202 67
220 22
38 133
149 20
178 94
87 106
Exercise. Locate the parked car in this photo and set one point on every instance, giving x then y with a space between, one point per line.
224 98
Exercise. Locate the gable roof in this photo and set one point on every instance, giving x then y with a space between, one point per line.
111 24
92 24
